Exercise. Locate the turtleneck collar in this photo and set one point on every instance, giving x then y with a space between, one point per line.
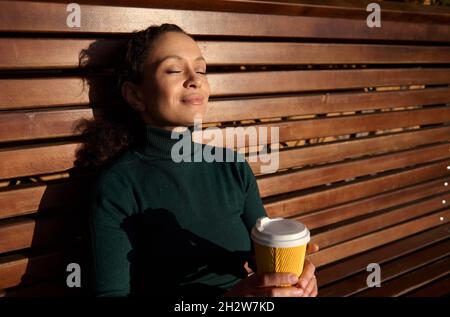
158 142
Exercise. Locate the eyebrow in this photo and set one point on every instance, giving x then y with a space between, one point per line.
159 62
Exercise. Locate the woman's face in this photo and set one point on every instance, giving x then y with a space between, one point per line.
174 90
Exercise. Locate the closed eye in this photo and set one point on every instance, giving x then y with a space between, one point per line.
171 72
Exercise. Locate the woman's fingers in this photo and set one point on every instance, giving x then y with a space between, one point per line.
312 248
280 292
307 274
315 291
268 285
310 287
308 280
275 279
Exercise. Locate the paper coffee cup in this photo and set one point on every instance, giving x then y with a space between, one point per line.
280 245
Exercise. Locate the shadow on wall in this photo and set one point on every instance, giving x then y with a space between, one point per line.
60 233
165 256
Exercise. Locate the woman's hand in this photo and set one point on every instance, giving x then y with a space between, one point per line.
307 280
268 284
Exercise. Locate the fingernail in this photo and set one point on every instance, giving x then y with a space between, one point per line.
299 292
293 278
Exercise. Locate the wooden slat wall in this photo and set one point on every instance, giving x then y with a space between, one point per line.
363 115
35 17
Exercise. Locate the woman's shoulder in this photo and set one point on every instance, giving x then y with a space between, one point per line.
117 168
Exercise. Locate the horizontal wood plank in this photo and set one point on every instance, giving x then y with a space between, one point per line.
280 106
438 288
51 158
31 53
391 270
308 177
21 93
336 151
51 288
18 269
371 204
27 16
45 289
304 201
325 8
22 233
35 124
377 222
335 272
411 281
38 198
37 92
378 238
16 126
246 83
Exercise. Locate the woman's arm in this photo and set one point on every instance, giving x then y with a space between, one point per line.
267 284
111 205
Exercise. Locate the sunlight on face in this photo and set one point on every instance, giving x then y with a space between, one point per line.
175 88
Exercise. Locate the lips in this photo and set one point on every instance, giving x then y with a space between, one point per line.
194 99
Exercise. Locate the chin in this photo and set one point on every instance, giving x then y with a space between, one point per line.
188 118
198 117
188 122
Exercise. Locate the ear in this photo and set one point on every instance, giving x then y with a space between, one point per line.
132 95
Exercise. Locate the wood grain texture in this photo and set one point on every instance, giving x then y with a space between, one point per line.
391 271
62 53
335 272
26 16
367 242
304 201
96 89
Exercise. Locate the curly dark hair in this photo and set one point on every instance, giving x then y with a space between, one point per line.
112 132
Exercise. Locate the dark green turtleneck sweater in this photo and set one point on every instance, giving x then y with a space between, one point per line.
167 228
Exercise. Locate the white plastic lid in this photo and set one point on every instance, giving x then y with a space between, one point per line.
280 232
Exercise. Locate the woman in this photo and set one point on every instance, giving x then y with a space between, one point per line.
161 227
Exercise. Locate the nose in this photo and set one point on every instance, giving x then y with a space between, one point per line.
194 80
